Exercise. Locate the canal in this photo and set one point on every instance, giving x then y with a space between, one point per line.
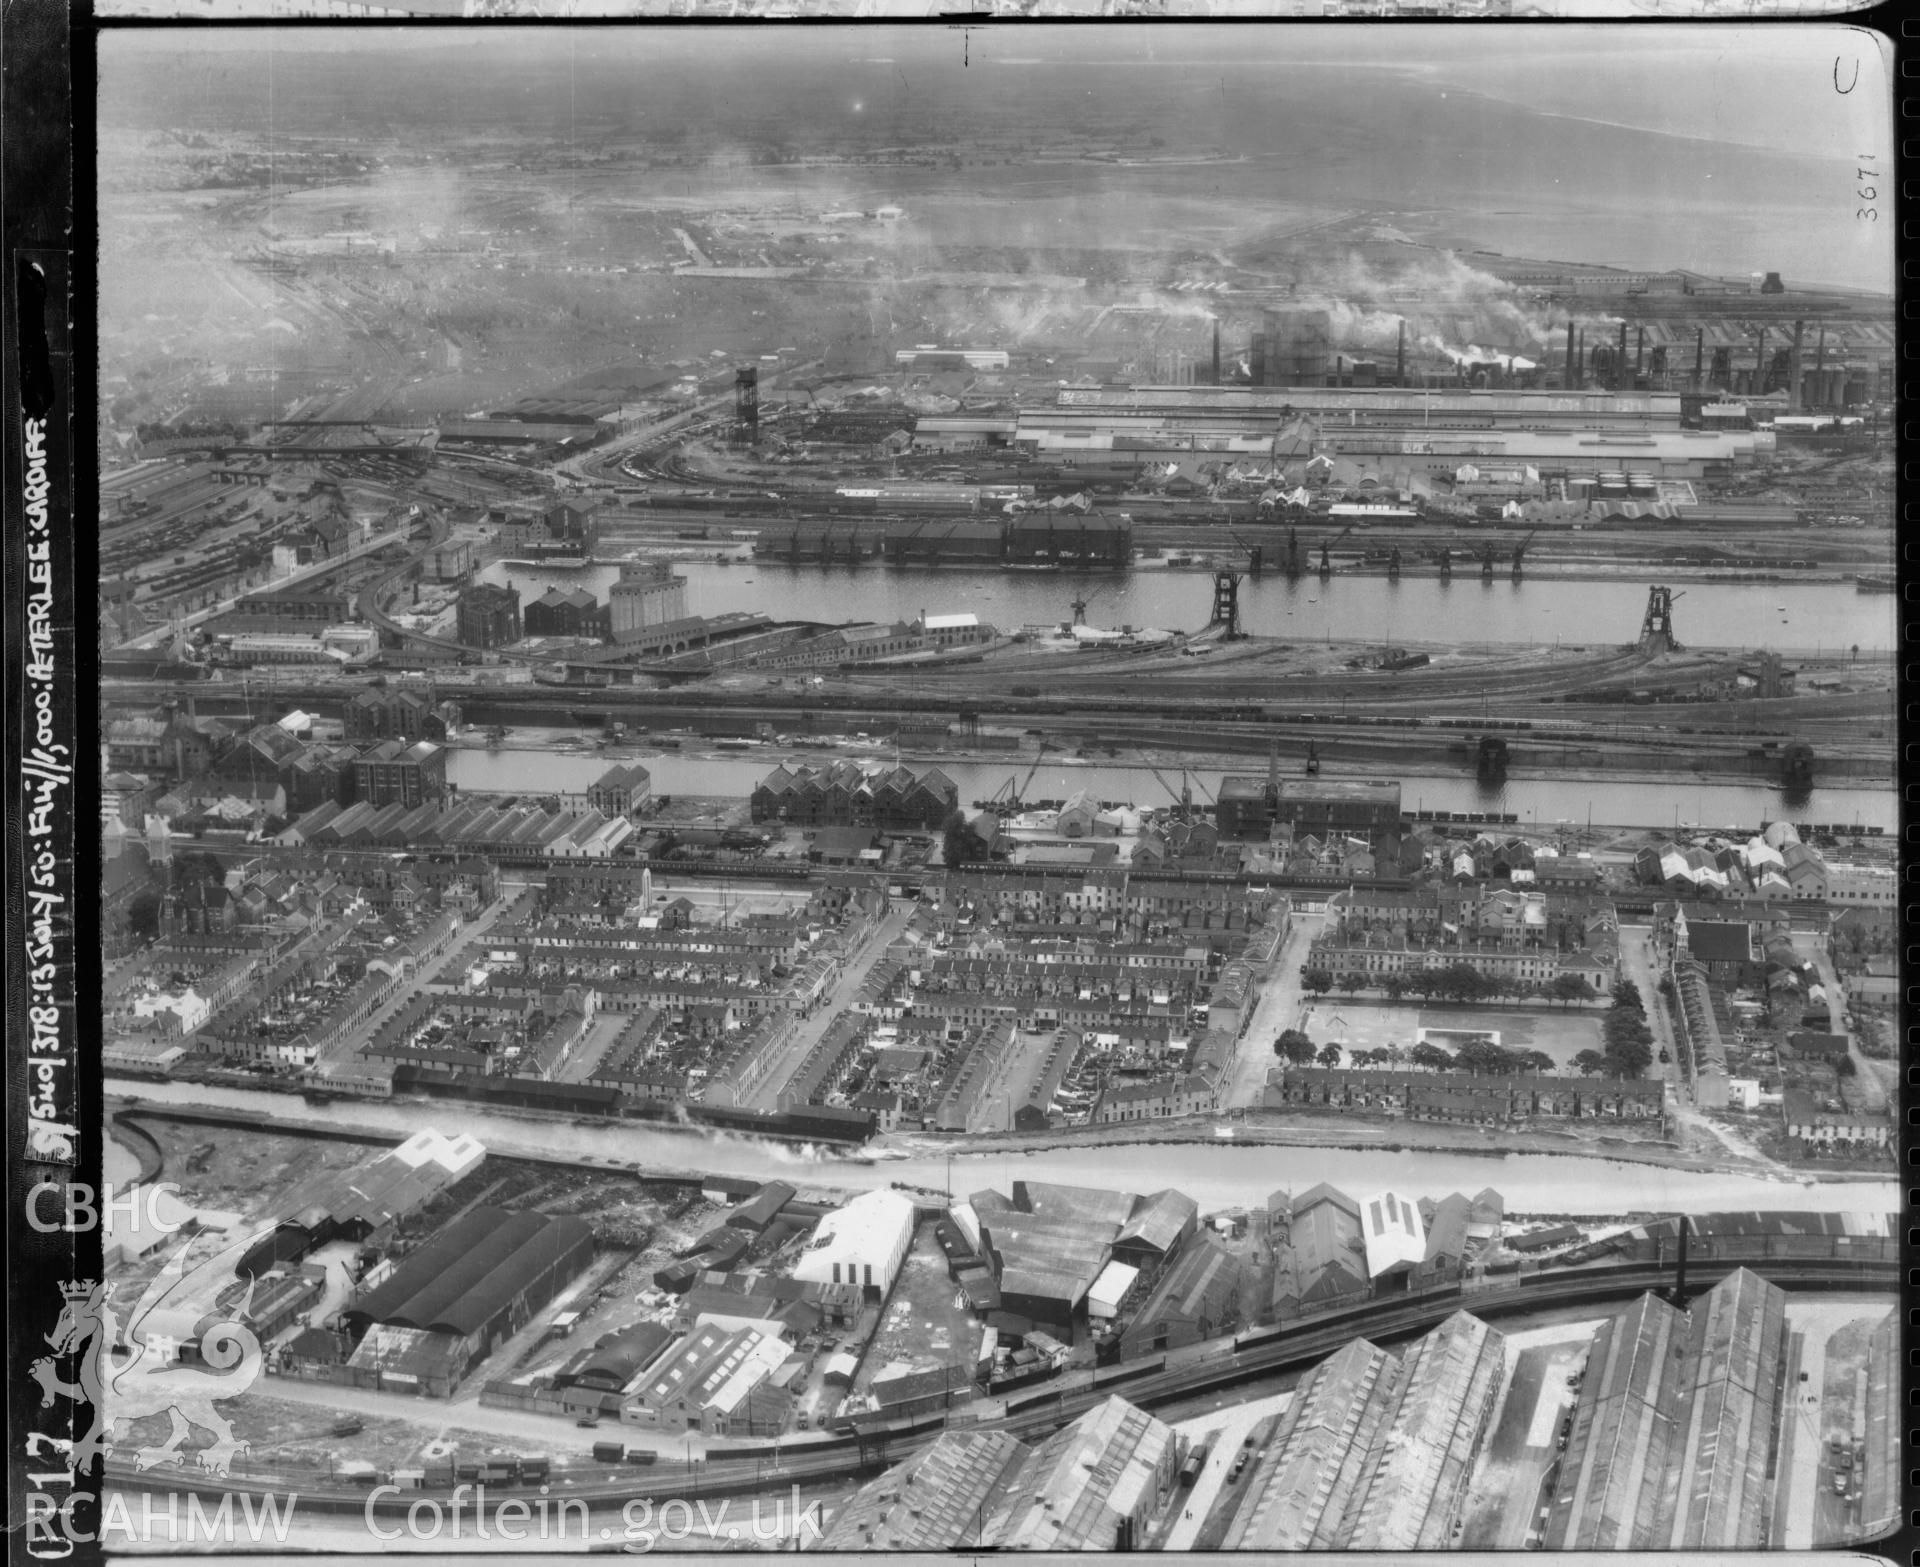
1216 1174
1797 618
1536 802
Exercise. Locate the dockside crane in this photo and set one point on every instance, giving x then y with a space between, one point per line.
1486 561
1256 554
1293 554
1446 562
1520 552
1080 603
1326 561
1011 794
1393 562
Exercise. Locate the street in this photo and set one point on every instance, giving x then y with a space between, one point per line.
1637 964
346 1052
853 974
1278 1008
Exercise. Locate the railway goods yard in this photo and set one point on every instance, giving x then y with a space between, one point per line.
1011 815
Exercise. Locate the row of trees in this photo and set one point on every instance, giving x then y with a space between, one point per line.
1628 1040
1478 1056
1458 981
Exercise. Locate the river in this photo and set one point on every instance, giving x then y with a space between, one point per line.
1798 618
1537 802
1217 1174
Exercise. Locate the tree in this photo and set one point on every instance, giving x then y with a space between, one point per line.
1330 1054
1843 1066
143 914
1432 1057
1294 1047
1534 1061
1587 1062
1484 1056
959 842
1395 986
1353 983
1626 994
1462 981
1629 1058
1569 987
1317 980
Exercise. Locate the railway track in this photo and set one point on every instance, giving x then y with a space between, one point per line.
1208 1367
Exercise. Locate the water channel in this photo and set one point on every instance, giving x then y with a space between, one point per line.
1536 802
1796 618
1217 1175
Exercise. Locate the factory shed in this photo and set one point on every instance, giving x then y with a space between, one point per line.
408 1360
1159 1224
1544 1240
1699 1393
1093 1485
1110 1290
1324 1255
1446 1226
1086 1203
863 1243
1395 1239
759 1209
1299 1494
616 1358
1197 1297
936 1501
1406 1496
363 1200
482 1277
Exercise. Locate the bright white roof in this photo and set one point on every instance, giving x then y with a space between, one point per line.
952 622
1393 1232
1116 1278
760 1362
873 1228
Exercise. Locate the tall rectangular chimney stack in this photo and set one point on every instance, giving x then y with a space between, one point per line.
1760 365
1699 356
1400 363
1820 366
1620 360
1793 367
1573 365
1216 350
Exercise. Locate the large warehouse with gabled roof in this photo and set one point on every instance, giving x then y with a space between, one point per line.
450 1303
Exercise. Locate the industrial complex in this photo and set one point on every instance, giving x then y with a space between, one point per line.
983 803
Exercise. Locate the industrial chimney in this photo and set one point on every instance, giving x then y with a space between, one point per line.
1620 360
1216 350
1760 365
1699 355
1400 363
1793 367
1573 364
